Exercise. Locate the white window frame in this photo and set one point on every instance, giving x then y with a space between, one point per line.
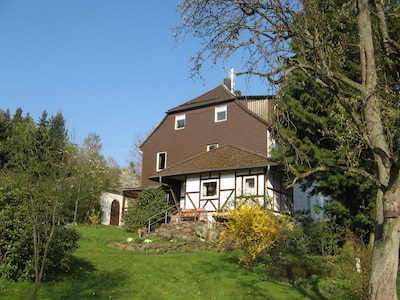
212 146
159 167
202 191
181 117
247 190
220 109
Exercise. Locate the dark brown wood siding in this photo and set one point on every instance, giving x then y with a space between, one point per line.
241 129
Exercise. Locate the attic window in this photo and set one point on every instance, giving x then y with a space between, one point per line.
212 146
180 121
220 113
161 160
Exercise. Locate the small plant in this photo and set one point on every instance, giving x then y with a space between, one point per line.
95 217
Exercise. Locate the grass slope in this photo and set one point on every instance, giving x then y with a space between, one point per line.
102 272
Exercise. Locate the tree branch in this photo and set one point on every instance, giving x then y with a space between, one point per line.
323 168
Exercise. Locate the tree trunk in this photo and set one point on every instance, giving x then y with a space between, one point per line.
384 264
385 257
77 204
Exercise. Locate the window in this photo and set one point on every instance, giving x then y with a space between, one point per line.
209 188
212 146
161 160
220 113
180 121
250 185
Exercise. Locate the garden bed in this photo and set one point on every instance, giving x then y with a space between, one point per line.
172 247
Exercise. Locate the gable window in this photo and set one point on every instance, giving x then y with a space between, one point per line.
161 160
209 188
180 121
212 146
221 113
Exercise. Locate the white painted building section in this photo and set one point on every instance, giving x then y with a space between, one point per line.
110 202
218 191
304 202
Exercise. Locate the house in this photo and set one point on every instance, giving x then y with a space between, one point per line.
215 149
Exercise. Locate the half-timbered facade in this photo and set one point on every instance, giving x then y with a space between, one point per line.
215 149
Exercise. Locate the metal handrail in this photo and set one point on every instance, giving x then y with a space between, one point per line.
165 217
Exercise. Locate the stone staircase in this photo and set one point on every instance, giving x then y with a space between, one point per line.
196 229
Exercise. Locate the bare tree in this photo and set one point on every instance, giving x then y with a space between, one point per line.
275 37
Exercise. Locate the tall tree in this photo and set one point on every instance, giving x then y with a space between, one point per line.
34 189
366 97
90 177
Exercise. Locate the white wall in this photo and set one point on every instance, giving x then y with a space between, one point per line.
106 200
304 201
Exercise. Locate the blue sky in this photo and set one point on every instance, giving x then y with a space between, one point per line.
111 67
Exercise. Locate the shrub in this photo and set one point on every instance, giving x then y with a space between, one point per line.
151 201
251 229
294 241
324 237
16 247
353 267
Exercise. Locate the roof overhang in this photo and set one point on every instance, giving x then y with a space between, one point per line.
225 158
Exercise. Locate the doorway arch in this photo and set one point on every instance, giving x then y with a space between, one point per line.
114 218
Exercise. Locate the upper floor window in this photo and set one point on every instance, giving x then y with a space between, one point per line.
180 121
221 113
161 160
212 146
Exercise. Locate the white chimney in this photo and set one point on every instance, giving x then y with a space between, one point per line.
232 75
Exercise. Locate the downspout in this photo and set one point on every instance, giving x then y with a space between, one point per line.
266 184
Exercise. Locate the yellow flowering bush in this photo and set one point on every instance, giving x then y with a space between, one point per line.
252 228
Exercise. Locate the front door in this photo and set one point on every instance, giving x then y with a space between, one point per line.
114 219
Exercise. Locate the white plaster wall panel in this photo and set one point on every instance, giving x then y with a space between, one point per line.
239 187
260 184
225 196
191 200
227 181
192 184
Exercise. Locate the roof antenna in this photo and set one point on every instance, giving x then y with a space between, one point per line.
232 74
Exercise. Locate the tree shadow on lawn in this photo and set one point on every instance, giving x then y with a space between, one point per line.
302 274
85 281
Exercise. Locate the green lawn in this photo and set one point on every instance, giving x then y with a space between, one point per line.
102 272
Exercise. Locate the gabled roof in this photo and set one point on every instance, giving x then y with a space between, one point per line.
224 158
219 94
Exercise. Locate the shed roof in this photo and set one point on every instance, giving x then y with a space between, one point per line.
224 158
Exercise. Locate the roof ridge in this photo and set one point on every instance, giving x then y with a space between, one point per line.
219 93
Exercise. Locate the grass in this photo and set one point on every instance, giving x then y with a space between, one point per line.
103 272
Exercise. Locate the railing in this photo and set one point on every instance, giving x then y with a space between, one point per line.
165 217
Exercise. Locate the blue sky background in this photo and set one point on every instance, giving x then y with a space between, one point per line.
111 67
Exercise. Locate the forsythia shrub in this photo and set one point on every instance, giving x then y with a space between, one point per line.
252 229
